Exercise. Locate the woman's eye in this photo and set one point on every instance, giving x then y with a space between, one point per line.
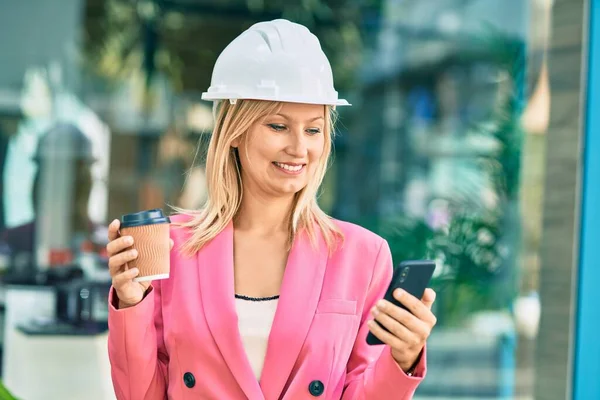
313 131
276 127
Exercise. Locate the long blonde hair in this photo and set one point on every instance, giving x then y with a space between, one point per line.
224 182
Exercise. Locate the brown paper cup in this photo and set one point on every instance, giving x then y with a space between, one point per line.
153 247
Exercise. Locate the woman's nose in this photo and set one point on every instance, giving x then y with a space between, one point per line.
297 146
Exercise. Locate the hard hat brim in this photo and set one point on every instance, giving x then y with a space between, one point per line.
211 96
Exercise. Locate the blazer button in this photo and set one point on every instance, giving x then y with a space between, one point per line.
189 380
316 388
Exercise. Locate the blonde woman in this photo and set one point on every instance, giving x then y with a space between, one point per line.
268 298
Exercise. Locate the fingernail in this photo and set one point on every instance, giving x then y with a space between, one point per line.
134 253
135 271
129 240
374 311
398 293
380 304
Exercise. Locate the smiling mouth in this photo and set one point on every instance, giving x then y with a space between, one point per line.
289 168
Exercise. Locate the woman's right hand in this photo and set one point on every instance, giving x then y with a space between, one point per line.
120 252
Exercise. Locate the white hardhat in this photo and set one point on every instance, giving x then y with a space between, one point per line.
277 60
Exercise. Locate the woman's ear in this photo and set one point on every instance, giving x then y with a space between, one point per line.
236 142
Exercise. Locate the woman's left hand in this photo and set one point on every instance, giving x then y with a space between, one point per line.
408 330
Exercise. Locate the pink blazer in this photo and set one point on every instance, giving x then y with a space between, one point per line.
182 340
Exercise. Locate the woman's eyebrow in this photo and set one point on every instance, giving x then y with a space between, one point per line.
291 119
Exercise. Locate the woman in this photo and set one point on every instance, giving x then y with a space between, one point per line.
268 297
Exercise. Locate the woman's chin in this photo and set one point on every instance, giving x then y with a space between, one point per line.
289 190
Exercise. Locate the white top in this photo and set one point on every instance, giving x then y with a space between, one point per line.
255 318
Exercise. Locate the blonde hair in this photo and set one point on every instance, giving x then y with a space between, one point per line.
224 182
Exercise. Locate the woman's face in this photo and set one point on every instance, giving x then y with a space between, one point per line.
281 153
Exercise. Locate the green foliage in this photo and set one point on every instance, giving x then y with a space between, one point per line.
5 394
477 251
182 42
470 256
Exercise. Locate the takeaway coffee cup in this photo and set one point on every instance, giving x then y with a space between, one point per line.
150 232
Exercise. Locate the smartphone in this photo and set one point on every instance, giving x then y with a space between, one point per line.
411 276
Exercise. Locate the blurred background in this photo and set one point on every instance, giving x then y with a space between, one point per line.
452 150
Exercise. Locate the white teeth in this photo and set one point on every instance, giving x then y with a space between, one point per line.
293 168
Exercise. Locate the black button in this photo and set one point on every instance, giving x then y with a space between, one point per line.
189 380
316 388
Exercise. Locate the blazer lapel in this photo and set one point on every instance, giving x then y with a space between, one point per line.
215 267
300 293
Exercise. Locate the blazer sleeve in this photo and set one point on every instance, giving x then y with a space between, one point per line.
136 349
372 372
